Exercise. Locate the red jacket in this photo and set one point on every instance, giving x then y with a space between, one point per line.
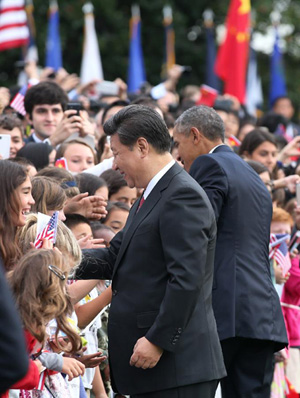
31 380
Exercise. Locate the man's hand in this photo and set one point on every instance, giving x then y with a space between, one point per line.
4 98
91 207
69 124
145 354
86 126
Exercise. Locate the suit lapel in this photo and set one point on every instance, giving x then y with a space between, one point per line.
135 218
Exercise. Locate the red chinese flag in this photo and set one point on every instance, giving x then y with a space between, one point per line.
232 58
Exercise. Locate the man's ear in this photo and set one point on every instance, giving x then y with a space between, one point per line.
196 135
28 118
143 146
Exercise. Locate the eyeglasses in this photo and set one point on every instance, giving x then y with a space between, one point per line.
57 272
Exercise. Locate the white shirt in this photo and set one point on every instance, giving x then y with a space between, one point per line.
215 147
156 178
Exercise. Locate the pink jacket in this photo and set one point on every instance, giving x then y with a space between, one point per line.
291 296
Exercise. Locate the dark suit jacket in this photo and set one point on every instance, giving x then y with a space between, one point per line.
29 139
161 265
13 353
244 299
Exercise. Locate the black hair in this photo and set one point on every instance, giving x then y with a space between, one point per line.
45 93
272 120
115 181
37 153
254 139
274 102
258 167
74 219
135 121
89 183
112 105
111 206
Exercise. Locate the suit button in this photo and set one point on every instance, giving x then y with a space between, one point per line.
114 292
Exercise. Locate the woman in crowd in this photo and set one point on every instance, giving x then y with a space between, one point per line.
261 146
15 204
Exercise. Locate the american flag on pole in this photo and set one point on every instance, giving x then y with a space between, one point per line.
17 102
48 232
14 31
279 251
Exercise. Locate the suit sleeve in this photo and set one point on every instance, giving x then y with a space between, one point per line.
211 177
13 357
186 227
99 263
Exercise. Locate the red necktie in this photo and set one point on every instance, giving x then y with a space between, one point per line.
141 203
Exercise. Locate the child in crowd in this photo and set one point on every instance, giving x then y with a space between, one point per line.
117 214
118 189
49 196
38 283
88 311
281 227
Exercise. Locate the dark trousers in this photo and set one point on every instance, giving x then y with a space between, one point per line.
250 366
199 390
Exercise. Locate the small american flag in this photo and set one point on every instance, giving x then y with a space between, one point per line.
17 102
279 251
48 232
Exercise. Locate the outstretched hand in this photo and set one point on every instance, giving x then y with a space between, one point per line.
91 207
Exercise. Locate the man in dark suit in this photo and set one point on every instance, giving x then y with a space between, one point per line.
13 354
246 305
163 339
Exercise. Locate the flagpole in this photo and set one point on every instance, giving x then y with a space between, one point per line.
169 60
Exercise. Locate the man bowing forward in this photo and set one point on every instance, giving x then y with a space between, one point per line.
162 333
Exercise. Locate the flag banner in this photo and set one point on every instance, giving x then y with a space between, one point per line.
254 95
17 103
136 69
279 251
91 65
232 58
277 84
14 31
53 46
208 95
46 229
169 53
